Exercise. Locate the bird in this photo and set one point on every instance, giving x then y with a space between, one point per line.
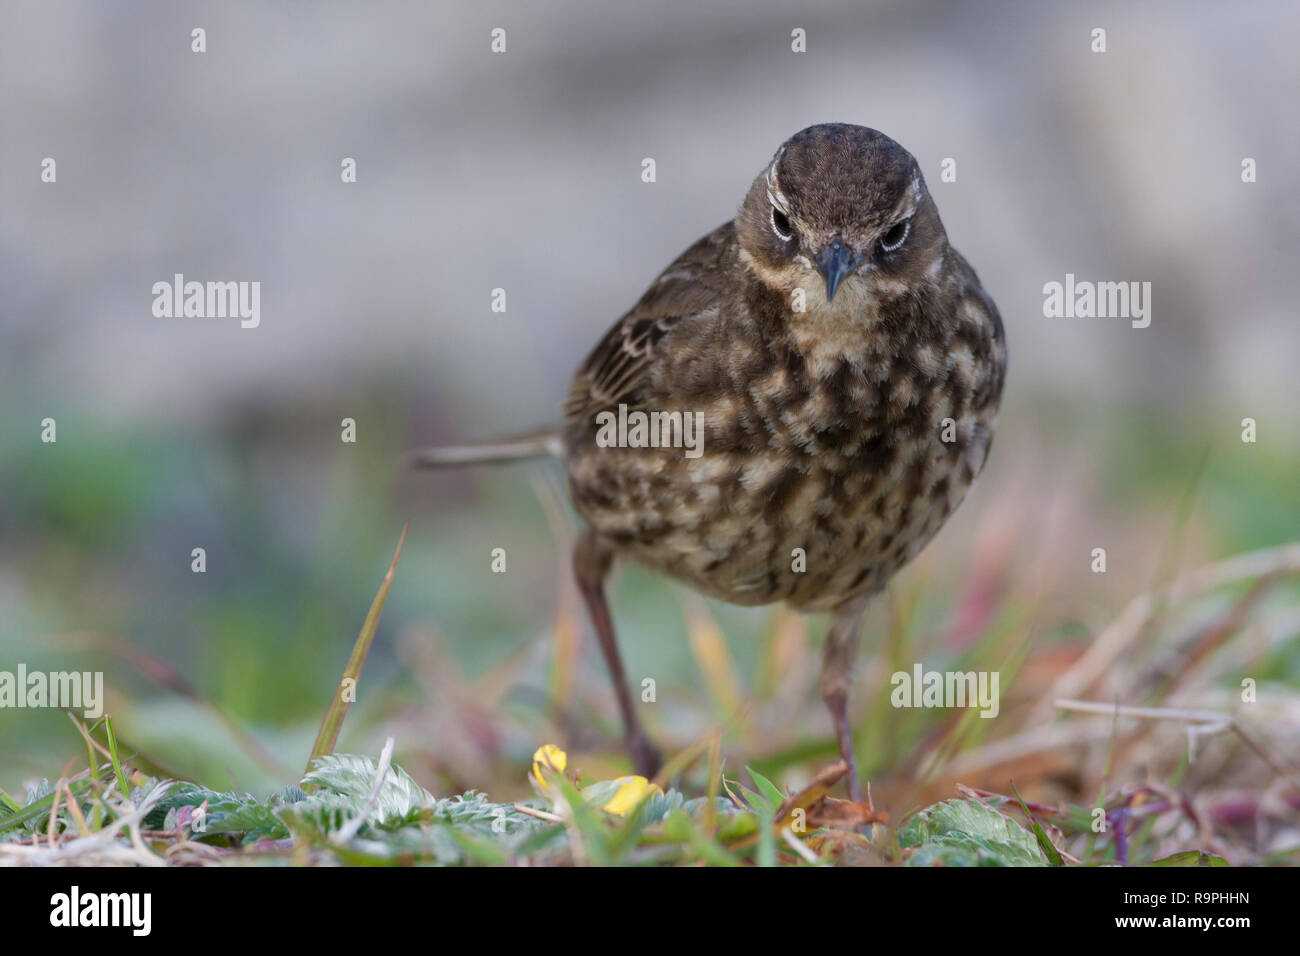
843 367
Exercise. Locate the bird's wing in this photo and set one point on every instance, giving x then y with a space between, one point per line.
619 367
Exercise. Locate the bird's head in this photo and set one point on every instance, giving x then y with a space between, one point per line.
842 212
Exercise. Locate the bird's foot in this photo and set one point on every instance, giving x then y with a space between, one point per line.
855 785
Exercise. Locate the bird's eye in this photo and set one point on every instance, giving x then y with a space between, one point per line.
896 236
781 225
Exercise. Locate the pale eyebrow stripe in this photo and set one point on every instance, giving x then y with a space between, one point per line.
774 194
910 200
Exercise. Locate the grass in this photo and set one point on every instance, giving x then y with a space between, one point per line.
120 810
1147 713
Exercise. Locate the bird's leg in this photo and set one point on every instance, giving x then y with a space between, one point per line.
591 562
838 656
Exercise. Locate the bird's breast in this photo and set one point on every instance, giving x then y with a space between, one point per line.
821 471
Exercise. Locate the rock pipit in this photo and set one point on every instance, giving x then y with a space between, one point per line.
791 410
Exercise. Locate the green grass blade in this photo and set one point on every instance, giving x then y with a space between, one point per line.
41 808
117 763
769 790
333 722
1044 842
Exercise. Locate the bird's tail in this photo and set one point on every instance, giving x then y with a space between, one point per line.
531 445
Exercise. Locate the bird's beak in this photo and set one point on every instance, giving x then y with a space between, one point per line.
834 263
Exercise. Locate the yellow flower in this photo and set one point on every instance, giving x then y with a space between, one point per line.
631 791
551 757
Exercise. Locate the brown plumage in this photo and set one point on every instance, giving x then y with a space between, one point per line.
847 366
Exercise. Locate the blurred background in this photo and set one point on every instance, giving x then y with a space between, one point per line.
522 171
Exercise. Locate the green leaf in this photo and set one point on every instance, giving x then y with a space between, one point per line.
231 813
967 833
737 826
680 827
1191 858
474 809
351 776
600 793
698 806
589 820
659 805
478 849
770 790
